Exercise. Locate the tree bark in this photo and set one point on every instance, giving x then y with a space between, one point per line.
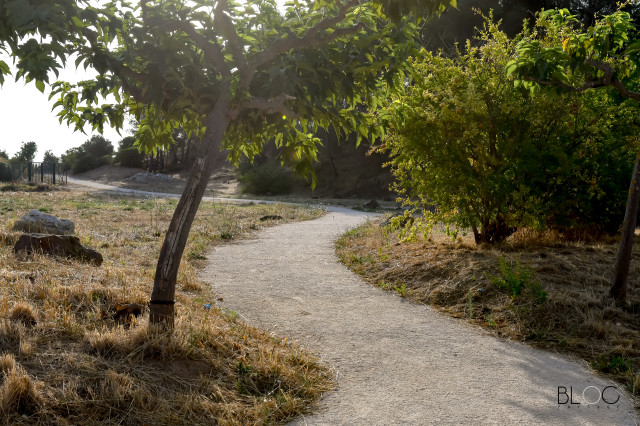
162 309
623 259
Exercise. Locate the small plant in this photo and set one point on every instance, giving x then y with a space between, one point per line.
359 260
196 255
384 285
468 310
614 364
490 321
382 257
516 278
402 290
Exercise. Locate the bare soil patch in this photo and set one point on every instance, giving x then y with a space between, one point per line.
567 311
223 182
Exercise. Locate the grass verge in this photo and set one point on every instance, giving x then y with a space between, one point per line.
66 360
538 289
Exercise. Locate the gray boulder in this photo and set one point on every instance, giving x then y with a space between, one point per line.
373 204
67 246
36 221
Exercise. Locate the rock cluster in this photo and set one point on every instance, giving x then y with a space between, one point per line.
57 245
38 222
49 235
145 177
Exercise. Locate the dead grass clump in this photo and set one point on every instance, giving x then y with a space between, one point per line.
530 237
24 313
535 287
9 238
7 362
11 334
139 343
119 388
19 394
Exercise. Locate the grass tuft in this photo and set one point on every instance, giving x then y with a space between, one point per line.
19 394
24 313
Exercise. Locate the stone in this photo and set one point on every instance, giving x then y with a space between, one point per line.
270 217
67 246
36 221
373 204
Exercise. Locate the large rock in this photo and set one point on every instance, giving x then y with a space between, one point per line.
36 221
67 246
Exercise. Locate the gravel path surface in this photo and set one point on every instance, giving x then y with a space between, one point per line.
396 362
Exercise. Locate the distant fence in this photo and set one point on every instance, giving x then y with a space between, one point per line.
52 173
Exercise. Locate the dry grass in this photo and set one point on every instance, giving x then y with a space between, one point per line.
65 360
460 278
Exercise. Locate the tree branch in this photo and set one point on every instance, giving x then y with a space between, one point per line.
121 71
312 38
224 24
611 79
212 51
608 79
269 106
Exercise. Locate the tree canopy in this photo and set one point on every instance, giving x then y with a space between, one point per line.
236 74
494 158
563 55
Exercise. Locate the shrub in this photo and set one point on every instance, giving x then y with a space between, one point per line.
88 162
5 172
129 157
92 154
516 278
494 158
268 178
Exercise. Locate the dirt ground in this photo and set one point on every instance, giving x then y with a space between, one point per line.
223 182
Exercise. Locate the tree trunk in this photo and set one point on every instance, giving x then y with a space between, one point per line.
623 259
161 306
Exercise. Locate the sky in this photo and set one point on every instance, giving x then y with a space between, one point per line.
26 115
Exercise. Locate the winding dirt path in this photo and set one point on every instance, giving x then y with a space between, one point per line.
396 362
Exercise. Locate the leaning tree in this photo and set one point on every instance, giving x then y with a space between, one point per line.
563 55
236 74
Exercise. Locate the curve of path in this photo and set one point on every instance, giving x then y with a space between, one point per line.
138 193
396 362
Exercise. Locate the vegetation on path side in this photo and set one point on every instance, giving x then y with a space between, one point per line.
535 288
66 360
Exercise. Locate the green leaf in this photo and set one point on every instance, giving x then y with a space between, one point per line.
4 68
40 85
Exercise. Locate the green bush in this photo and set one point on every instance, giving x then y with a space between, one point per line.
92 154
494 158
5 172
129 157
88 162
268 178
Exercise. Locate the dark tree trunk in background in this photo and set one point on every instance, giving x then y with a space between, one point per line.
625 249
162 309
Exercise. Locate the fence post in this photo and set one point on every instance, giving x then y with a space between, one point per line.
29 171
41 172
53 167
